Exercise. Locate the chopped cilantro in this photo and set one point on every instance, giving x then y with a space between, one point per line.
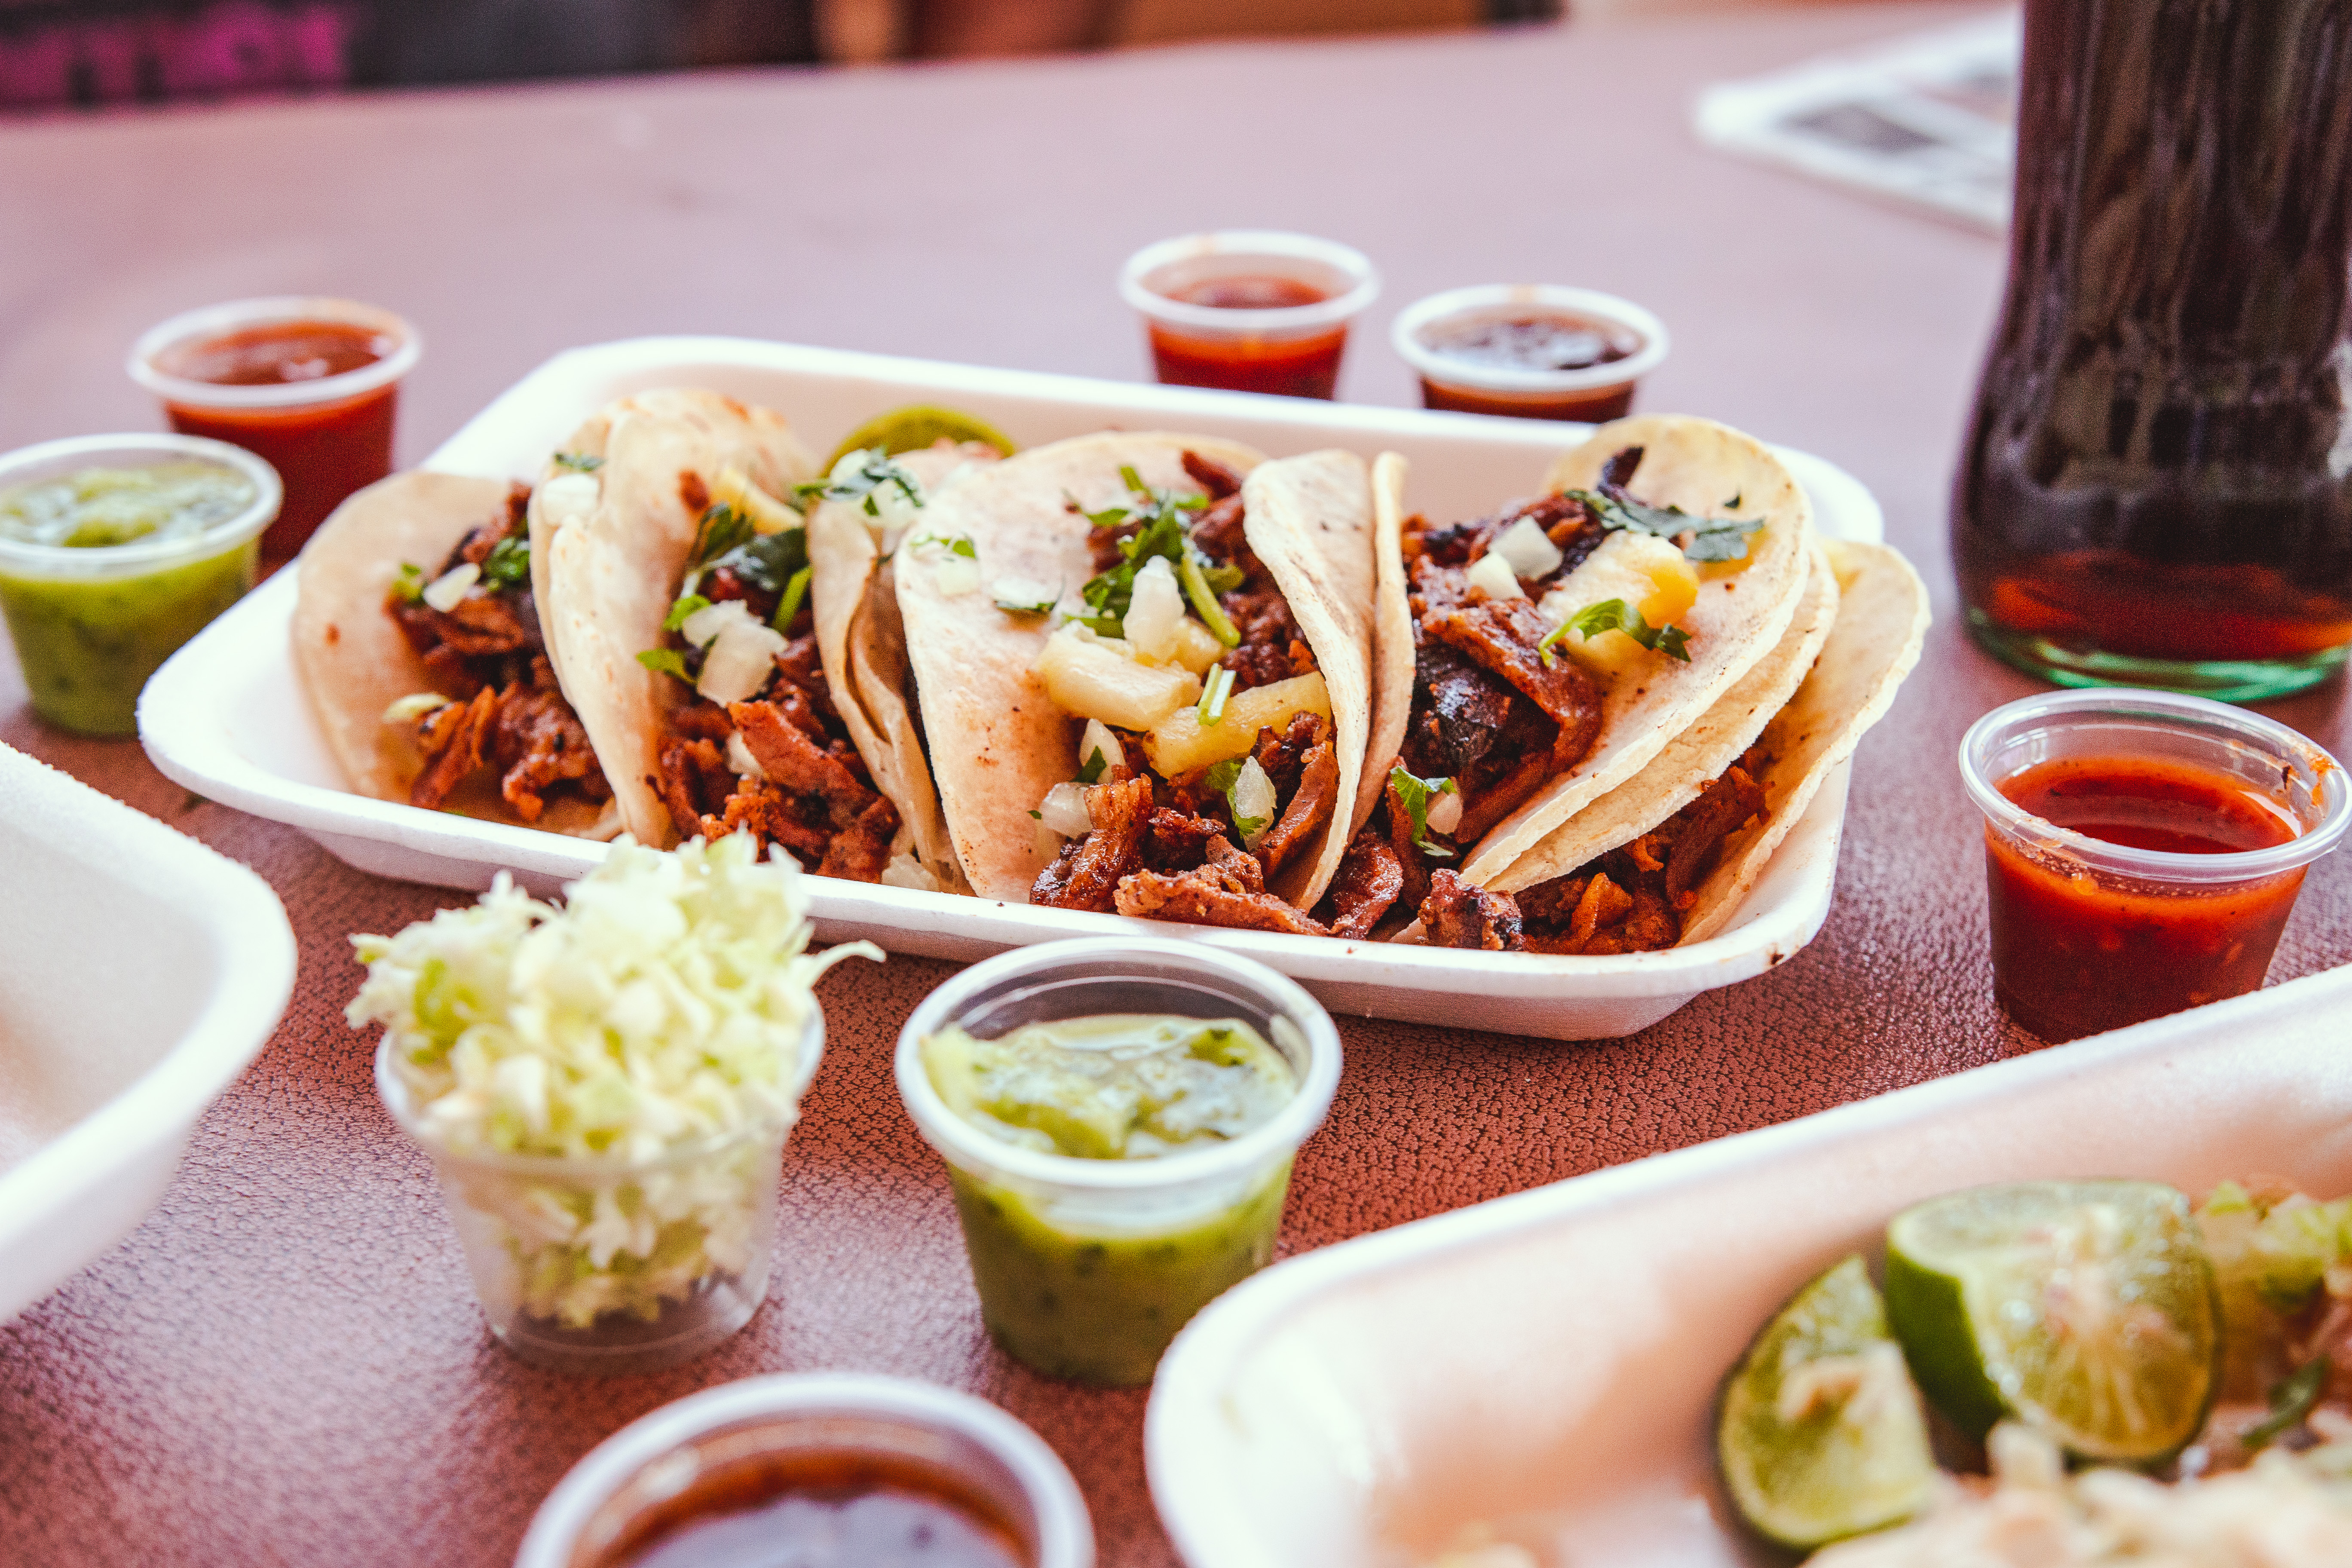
1617 616
1711 538
1213 692
1160 529
578 462
2293 1398
875 472
507 565
1093 768
722 527
409 586
687 604
665 660
1415 794
796 591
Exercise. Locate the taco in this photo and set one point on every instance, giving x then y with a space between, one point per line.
1664 860
687 634
862 638
1144 668
1550 651
417 638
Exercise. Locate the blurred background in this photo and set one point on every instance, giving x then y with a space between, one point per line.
62 53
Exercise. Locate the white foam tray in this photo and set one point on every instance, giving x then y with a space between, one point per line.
144 972
226 718
1551 1360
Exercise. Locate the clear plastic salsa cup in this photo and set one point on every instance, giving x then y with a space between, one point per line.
1249 309
1486 381
92 621
716 1455
309 382
1087 1269
2090 933
607 1267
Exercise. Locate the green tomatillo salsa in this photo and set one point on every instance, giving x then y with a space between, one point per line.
96 595
1092 1284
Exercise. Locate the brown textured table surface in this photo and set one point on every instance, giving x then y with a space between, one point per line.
285 1364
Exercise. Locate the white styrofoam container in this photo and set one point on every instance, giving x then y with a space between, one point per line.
226 718
144 972
1549 1359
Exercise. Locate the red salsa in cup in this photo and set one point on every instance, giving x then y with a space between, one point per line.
1291 367
2076 952
311 385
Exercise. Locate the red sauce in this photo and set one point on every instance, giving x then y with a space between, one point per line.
324 451
818 1511
1591 407
2075 951
1530 340
1290 366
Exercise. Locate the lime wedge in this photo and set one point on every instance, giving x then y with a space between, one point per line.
1820 1433
913 429
2086 1309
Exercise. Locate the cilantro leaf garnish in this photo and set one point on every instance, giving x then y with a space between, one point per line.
1414 793
1162 529
1222 777
1093 767
665 660
1711 538
507 565
409 586
687 604
722 528
875 472
2293 1398
1617 616
578 462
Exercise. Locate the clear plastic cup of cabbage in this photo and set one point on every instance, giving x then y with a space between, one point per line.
1087 1269
611 1267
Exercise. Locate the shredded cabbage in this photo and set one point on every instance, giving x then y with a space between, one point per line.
661 1009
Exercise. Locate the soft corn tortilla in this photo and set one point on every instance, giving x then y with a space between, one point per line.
1716 740
353 660
612 570
1742 611
854 596
997 742
1882 619
1393 645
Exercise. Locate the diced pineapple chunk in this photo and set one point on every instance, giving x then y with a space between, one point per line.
1197 647
739 489
1178 745
1091 678
1646 572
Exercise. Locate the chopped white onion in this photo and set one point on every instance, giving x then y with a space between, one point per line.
702 627
738 661
852 462
740 758
1252 795
1098 738
1155 610
1063 810
1023 594
906 871
567 497
1494 573
445 592
1528 548
1445 811
413 707
956 575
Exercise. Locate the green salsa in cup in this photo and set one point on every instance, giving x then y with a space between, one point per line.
114 551
1116 1170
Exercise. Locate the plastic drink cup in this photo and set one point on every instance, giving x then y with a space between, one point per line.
311 384
1475 351
1087 1269
2190 825
606 1266
92 622
736 1446
1249 309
